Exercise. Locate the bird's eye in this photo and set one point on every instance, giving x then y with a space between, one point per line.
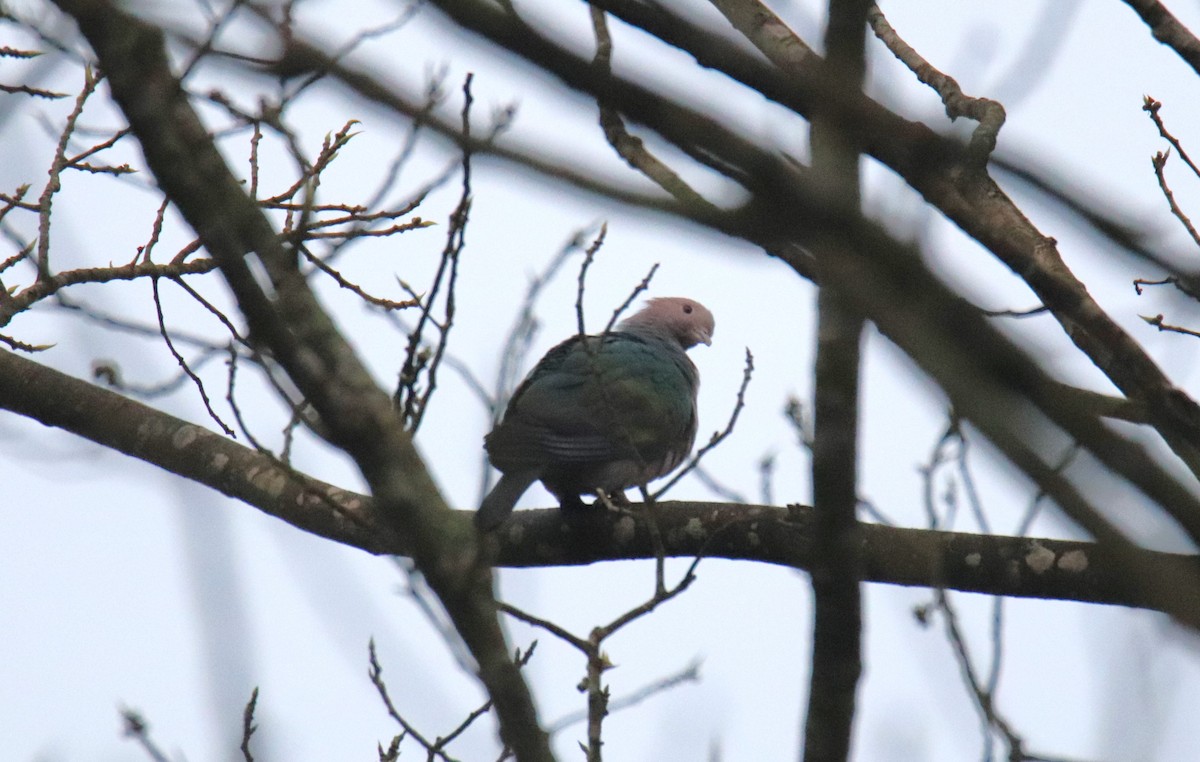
687 309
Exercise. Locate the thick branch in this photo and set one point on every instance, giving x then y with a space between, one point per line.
185 449
1168 30
357 414
995 565
837 568
988 378
767 32
940 169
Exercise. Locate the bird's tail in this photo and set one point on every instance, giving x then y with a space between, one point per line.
500 501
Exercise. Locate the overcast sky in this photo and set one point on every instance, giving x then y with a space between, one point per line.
121 586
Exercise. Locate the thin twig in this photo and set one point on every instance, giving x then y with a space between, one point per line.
689 674
1157 322
597 661
137 729
52 284
967 478
535 621
589 256
631 149
718 436
1139 285
1152 107
166 335
983 700
54 184
988 113
766 478
638 289
376 675
109 373
1159 161
983 691
121 324
248 726
714 485
521 659
230 385
354 288
418 591
1031 312
413 404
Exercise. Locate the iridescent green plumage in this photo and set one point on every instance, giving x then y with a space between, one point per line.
602 412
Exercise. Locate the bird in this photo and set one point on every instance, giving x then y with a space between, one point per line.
601 412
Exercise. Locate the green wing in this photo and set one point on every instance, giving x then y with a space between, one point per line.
617 396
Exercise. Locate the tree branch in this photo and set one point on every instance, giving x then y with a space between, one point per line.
990 564
837 562
1168 30
979 368
358 414
940 170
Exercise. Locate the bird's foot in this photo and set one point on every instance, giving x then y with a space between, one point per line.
613 502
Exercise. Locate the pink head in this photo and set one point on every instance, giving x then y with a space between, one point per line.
687 321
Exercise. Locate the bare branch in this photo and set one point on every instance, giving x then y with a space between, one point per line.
1160 162
597 661
166 335
639 289
581 280
376 674
1158 322
1168 30
248 726
837 559
52 284
689 674
997 565
988 113
413 404
718 436
767 32
303 339
630 148
54 184
137 729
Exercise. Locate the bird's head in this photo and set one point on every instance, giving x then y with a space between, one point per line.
687 321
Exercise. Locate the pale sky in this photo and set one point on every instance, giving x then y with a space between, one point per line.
121 586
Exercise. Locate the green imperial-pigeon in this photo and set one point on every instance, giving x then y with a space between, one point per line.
603 412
